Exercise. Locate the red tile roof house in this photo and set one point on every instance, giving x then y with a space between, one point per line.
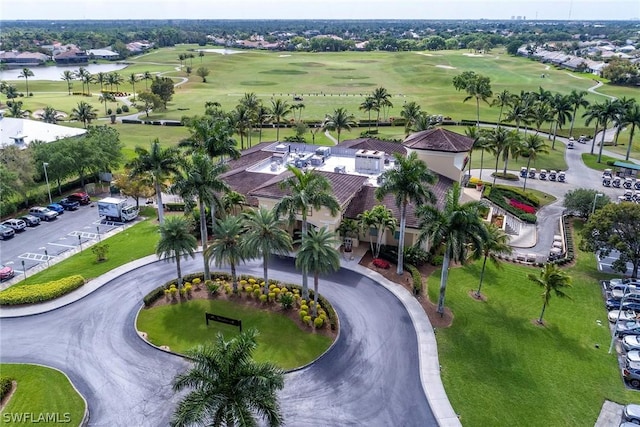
257 174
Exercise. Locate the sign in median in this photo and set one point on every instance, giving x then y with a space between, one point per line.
222 319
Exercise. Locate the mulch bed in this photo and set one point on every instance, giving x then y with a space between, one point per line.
406 281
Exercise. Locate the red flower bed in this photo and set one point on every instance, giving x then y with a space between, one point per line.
380 263
522 206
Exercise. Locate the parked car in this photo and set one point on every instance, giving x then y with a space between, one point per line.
629 304
631 373
6 232
30 220
630 327
631 413
43 213
631 342
16 224
82 198
6 272
628 281
624 290
56 207
622 315
69 205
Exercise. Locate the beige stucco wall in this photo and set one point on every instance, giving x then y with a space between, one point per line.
320 218
447 164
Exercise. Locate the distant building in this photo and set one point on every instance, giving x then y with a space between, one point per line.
72 56
21 132
18 59
139 46
102 54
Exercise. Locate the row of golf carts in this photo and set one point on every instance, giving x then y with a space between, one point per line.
609 180
543 174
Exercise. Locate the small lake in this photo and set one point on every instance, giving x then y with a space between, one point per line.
54 72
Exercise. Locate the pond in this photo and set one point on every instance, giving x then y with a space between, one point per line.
54 72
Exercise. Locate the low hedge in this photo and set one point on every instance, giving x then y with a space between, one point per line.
5 386
29 294
417 278
499 196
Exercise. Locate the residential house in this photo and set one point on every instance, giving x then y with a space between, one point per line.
102 54
72 56
20 59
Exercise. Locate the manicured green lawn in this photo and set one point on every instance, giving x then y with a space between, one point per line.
41 390
591 160
182 326
500 369
126 246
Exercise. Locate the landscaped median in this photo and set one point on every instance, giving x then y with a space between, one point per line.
40 292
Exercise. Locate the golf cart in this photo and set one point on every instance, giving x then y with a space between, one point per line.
553 175
606 181
543 174
523 172
628 183
561 177
532 172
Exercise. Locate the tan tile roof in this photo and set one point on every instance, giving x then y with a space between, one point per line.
438 139
243 182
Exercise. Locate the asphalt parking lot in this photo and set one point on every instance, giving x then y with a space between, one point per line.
49 240
605 263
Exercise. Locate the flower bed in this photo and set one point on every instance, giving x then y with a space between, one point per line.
381 263
522 206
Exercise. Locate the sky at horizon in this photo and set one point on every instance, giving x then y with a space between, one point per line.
319 9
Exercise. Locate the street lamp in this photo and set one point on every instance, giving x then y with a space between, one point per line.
46 177
595 198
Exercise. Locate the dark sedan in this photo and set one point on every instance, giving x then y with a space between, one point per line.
69 205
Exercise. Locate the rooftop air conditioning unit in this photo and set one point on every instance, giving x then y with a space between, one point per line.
340 169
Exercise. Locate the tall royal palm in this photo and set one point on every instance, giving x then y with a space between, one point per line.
532 146
632 117
227 387
279 110
577 99
593 113
101 79
200 181
458 228
553 281
68 77
227 246
497 141
25 74
318 255
480 90
497 242
240 119
146 77
561 109
382 99
80 74
380 218
409 182
368 105
410 113
133 79
176 241
473 132
338 121
307 190
84 113
161 163
623 104
607 113
264 235
481 144
503 99
251 103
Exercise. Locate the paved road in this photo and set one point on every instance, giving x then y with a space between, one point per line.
370 377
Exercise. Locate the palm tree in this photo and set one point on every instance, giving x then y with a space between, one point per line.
338 121
593 113
227 387
503 99
106 97
497 140
26 73
551 280
307 190
577 99
318 255
176 241
49 115
115 79
101 78
409 181
201 55
410 113
480 89
382 99
607 112
133 79
232 202
368 105
533 145
623 104
632 117
200 179
298 107
161 163
481 144
263 115
87 79
541 113
146 77
519 112
473 132
16 110
381 219
279 110
227 245
561 109
423 122
241 121
84 113
497 242
512 148
80 76
251 103
458 227
264 234
68 77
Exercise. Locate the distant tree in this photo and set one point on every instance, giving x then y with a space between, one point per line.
84 113
338 121
101 79
553 281
203 72
382 99
163 88
368 105
503 99
532 146
176 241
582 201
201 55
106 97
133 79
140 186
146 77
148 101
476 86
279 110
26 73
68 77
410 113
49 115
632 117
577 99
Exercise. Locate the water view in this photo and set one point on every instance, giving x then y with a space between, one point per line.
54 72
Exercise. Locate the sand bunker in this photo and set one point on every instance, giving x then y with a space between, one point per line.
474 55
426 54
283 56
446 67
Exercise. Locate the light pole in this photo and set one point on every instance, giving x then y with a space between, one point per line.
595 198
46 177
24 270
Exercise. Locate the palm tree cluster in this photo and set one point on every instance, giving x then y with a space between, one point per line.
379 101
619 112
111 79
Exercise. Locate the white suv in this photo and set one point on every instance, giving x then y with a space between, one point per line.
16 224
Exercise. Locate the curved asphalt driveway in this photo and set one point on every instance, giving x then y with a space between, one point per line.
370 376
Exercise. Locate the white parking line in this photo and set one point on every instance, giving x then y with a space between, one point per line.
84 235
34 257
60 244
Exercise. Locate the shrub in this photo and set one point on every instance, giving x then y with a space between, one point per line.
417 279
5 386
118 110
522 206
381 263
256 293
29 294
212 287
100 250
153 296
196 282
437 260
304 307
109 112
415 255
125 108
272 296
318 322
286 300
303 314
307 320
263 298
